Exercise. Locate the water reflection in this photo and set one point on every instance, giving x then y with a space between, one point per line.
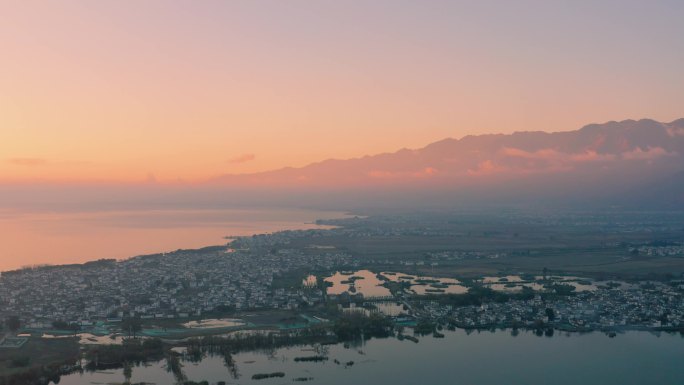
477 357
213 323
357 282
370 284
310 282
387 308
515 283
506 278
90 339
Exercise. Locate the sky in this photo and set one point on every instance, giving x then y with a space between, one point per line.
166 91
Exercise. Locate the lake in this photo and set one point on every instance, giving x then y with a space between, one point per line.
459 358
59 237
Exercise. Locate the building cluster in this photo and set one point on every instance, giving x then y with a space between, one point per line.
647 306
456 255
659 251
172 285
249 274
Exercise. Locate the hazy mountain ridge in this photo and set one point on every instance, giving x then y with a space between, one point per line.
644 145
630 163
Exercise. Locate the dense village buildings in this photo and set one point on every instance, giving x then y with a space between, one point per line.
191 283
172 285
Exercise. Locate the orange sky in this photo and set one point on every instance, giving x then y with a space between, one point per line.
131 91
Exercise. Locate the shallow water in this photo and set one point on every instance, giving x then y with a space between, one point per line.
213 323
459 358
368 284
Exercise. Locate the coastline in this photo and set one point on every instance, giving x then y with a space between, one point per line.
124 234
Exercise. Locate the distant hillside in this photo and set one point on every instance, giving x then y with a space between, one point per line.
596 160
630 164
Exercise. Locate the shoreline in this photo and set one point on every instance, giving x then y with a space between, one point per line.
230 347
266 227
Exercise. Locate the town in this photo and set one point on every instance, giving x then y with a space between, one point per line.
410 277
171 285
266 272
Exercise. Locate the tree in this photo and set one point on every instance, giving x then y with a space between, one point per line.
563 289
20 362
128 372
354 325
550 313
13 323
60 325
132 325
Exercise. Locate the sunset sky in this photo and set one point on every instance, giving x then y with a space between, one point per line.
136 91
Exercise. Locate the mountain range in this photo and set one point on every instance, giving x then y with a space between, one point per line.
644 145
613 158
631 164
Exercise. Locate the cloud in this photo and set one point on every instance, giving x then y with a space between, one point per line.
424 173
491 167
428 171
649 154
242 158
488 167
543 154
591 156
518 161
151 178
675 131
31 162
551 155
379 174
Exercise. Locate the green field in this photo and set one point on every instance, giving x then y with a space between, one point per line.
582 243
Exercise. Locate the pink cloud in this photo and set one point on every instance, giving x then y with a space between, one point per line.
649 154
488 167
675 131
242 158
428 171
518 161
424 173
591 156
151 178
551 155
543 154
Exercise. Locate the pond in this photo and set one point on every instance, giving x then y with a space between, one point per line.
357 282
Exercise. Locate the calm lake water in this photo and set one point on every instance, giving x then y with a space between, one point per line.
460 358
58 237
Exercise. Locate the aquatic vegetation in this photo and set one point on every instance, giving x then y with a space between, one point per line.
262 376
311 359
